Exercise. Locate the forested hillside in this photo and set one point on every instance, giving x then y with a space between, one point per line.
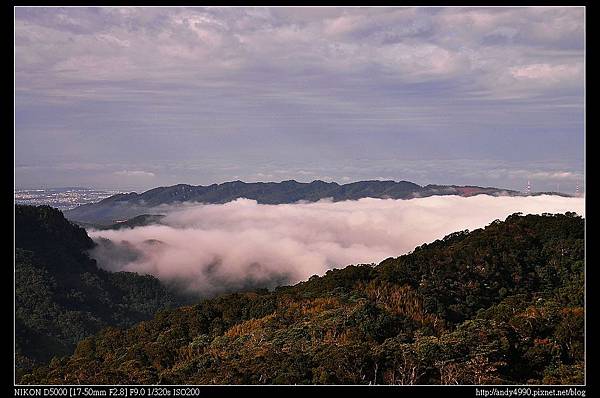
502 304
61 296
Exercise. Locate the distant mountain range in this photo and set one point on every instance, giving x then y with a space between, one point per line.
121 207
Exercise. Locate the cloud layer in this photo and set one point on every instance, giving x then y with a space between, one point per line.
500 47
207 249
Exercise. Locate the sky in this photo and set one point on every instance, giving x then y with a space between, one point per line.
133 98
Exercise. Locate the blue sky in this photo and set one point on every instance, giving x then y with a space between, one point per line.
133 98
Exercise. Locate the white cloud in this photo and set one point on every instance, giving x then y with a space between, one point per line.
210 248
559 175
135 173
547 72
207 42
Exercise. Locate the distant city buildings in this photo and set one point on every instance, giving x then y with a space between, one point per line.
61 198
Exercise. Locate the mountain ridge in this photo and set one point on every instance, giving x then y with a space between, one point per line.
124 206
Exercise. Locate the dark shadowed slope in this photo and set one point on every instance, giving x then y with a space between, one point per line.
125 206
502 304
61 296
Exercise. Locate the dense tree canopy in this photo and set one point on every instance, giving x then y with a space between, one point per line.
61 297
502 304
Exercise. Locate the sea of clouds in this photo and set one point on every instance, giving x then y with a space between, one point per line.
213 248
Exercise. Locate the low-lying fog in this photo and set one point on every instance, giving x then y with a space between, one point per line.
207 249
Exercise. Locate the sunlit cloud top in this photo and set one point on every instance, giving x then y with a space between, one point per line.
279 244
